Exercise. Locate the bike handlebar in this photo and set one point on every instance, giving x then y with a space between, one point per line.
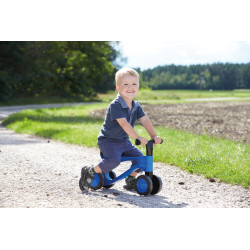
138 142
149 146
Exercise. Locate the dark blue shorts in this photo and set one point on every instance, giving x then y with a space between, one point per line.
112 152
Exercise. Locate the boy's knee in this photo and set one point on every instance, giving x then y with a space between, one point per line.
114 162
109 164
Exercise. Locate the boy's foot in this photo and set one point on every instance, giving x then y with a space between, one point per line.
87 176
130 183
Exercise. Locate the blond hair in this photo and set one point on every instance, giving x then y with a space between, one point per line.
126 71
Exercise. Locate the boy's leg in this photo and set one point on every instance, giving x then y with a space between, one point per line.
97 169
112 158
132 151
112 152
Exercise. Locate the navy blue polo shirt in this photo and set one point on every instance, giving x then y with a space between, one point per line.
111 131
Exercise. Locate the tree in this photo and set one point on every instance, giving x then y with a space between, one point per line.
31 69
246 75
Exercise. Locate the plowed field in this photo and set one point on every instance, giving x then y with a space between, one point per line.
221 119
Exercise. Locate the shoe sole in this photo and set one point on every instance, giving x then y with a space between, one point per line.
128 188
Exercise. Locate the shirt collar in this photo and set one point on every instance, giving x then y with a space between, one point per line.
124 104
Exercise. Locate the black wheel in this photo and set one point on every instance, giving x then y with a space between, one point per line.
157 184
143 185
112 175
98 182
80 185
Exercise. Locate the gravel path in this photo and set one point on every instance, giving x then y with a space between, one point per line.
37 172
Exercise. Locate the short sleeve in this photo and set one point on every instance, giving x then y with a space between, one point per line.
116 111
140 112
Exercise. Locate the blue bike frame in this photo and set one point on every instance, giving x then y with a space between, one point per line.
145 163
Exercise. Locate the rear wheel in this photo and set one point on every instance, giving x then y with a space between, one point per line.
98 181
112 176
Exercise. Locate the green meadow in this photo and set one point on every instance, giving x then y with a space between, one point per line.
144 96
180 96
226 160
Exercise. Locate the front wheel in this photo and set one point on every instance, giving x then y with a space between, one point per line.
144 185
157 184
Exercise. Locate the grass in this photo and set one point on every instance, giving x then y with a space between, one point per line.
177 96
226 160
201 154
46 100
70 124
144 96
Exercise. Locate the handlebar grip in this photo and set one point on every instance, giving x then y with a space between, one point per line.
161 141
138 142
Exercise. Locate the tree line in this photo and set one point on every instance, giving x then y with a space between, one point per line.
61 69
216 76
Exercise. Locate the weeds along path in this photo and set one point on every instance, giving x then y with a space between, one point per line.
37 172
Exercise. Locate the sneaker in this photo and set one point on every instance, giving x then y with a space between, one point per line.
87 176
130 182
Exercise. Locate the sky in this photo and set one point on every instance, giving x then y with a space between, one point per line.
151 33
150 54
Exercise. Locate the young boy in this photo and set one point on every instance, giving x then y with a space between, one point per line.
113 139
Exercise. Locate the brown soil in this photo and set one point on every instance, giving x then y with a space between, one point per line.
222 119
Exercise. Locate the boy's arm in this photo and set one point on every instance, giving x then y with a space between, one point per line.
147 124
130 130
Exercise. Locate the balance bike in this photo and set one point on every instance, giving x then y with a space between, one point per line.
146 184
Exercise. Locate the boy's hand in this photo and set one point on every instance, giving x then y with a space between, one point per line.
157 139
143 141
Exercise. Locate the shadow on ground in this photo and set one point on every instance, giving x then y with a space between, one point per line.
4 140
123 199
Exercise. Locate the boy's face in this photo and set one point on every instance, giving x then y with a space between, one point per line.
128 87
